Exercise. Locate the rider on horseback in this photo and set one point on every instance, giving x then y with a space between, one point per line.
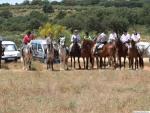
100 42
87 36
75 38
136 37
125 38
112 37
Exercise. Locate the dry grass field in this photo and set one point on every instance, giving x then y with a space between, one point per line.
73 91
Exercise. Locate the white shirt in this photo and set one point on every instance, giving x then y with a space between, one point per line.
102 38
135 38
124 38
112 36
75 37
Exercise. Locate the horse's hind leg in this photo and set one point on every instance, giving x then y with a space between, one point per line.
74 62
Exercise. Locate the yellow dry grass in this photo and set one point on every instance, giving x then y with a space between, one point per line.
75 91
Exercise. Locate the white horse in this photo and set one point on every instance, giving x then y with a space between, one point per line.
27 56
63 54
144 49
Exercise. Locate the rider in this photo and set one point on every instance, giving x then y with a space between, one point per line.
49 39
27 38
125 38
112 37
136 37
87 36
75 38
100 42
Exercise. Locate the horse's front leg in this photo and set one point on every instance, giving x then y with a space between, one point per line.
125 62
74 62
71 61
84 62
97 62
79 62
104 62
0 62
87 62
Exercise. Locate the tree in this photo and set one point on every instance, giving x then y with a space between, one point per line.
47 8
118 24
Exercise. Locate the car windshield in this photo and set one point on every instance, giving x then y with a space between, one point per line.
10 47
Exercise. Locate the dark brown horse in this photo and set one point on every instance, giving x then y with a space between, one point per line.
108 51
86 52
122 50
135 59
1 51
75 52
50 56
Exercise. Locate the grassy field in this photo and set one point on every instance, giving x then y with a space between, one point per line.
74 91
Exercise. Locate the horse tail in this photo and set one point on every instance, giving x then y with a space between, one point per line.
141 62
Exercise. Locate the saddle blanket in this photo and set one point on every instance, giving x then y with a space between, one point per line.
100 46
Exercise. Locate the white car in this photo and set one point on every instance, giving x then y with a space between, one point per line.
11 52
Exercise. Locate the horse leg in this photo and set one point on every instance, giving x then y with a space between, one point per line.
87 62
101 62
79 62
125 62
92 61
104 62
97 61
132 63
84 62
74 62
52 65
71 61
0 62
120 62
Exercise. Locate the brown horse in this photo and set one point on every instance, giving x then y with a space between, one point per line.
1 51
108 51
122 50
133 55
75 52
86 52
50 56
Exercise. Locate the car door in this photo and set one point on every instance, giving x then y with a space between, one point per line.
34 46
40 51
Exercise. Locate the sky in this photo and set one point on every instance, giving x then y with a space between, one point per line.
16 1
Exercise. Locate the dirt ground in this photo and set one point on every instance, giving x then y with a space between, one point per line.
73 91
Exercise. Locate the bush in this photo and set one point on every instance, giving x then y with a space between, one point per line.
6 14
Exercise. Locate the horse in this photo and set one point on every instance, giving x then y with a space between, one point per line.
63 53
133 55
144 49
2 49
50 56
108 50
86 52
27 56
122 50
75 51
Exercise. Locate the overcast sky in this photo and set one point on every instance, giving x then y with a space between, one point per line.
17 1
